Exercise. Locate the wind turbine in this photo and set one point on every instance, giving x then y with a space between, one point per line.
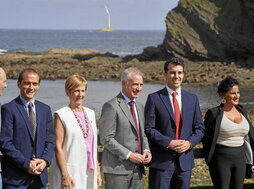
108 13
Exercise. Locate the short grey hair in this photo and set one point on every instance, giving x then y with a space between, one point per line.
125 76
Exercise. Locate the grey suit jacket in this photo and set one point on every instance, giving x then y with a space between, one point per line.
118 135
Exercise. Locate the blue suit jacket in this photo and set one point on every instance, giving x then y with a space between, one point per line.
18 145
160 128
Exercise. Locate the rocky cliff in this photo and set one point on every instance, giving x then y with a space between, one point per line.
217 30
208 30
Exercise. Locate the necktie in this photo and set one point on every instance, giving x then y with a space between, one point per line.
131 103
177 116
32 118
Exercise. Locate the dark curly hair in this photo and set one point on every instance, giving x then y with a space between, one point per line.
226 84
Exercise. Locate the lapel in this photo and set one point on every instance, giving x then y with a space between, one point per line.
139 112
218 122
22 111
165 99
38 118
219 115
185 107
126 110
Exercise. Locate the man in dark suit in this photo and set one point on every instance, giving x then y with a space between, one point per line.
122 133
27 137
3 85
173 125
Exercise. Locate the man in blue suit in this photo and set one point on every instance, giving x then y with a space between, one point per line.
173 125
3 85
27 137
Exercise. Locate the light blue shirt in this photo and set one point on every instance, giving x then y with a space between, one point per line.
26 104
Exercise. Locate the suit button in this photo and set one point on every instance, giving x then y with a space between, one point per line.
136 139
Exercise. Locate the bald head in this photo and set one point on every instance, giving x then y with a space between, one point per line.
2 80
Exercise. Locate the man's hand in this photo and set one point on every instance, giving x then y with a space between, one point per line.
136 158
31 167
40 165
37 166
179 146
147 157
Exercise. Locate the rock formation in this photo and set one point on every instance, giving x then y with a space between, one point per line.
216 30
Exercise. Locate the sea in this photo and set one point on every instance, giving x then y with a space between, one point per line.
121 43
52 93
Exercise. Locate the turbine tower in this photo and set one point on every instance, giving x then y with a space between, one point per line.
109 27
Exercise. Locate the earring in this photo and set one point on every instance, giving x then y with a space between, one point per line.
223 101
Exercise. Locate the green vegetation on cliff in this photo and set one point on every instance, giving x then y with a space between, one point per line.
191 3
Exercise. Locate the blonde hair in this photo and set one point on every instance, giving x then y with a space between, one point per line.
74 81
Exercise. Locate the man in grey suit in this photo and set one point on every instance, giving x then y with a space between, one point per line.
126 149
3 85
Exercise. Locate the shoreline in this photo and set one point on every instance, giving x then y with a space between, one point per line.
59 63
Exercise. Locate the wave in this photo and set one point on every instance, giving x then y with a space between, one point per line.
2 51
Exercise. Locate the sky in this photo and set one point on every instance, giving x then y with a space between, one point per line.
85 14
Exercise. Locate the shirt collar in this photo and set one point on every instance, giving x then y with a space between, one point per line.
170 91
25 102
127 99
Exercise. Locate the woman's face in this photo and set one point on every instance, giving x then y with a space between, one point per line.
77 95
232 97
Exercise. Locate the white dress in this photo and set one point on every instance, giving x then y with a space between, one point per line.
75 152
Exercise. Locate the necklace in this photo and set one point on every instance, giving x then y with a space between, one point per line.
85 131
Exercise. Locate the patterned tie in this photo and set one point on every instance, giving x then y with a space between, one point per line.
32 118
131 103
177 116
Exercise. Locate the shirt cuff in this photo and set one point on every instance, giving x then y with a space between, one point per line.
146 150
128 155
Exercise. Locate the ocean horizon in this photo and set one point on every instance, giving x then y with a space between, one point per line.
119 42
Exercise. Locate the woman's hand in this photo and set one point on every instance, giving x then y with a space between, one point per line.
99 180
67 182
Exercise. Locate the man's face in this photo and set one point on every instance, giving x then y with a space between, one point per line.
133 86
29 85
3 83
174 76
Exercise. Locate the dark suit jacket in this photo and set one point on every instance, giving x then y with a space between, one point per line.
160 128
118 135
18 145
213 119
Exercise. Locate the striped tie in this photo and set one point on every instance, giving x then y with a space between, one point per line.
32 118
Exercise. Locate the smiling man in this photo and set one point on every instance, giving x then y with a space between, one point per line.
27 137
173 125
126 148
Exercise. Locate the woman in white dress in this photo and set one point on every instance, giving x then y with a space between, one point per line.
75 164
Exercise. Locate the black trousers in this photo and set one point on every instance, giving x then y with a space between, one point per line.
227 167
